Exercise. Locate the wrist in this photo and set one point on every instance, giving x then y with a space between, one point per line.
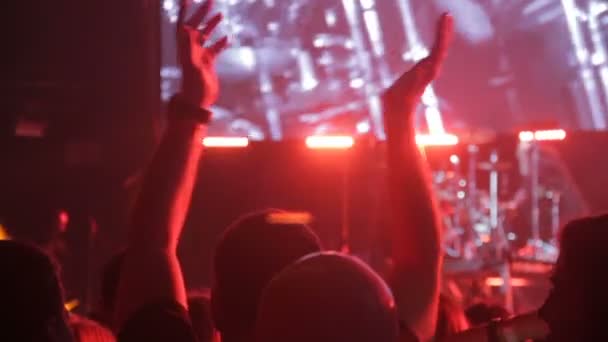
180 109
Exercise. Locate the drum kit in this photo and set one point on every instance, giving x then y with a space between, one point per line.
486 220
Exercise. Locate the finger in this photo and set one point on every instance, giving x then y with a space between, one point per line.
210 26
218 46
200 14
445 31
183 8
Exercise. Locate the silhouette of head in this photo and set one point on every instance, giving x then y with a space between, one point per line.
327 297
577 305
249 254
32 298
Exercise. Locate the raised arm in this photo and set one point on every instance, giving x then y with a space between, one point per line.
415 229
151 272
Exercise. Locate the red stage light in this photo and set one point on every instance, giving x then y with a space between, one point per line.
526 136
554 134
515 282
226 142
436 140
64 220
542 135
289 218
330 142
4 235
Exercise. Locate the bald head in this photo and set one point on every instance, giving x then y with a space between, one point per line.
327 297
250 253
31 294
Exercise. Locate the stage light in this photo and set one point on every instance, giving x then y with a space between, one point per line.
225 142
4 234
71 305
436 140
526 136
363 127
64 220
515 282
289 218
330 142
550 135
454 159
542 135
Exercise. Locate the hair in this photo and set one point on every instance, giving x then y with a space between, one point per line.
451 318
577 306
86 330
249 254
583 259
199 308
327 297
482 313
32 297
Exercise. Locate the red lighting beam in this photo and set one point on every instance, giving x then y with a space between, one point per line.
330 142
226 142
542 135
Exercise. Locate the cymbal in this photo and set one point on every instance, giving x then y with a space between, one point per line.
488 166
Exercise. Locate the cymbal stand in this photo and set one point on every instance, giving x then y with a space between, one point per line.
269 99
472 200
352 10
555 215
587 42
416 50
374 33
499 238
534 155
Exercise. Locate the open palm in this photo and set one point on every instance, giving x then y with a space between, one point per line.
403 95
200 85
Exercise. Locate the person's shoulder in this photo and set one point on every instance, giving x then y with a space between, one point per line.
161 321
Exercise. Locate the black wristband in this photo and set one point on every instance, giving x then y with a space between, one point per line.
180 109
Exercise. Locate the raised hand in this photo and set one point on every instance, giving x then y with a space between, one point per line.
415 227
401 98
200 85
